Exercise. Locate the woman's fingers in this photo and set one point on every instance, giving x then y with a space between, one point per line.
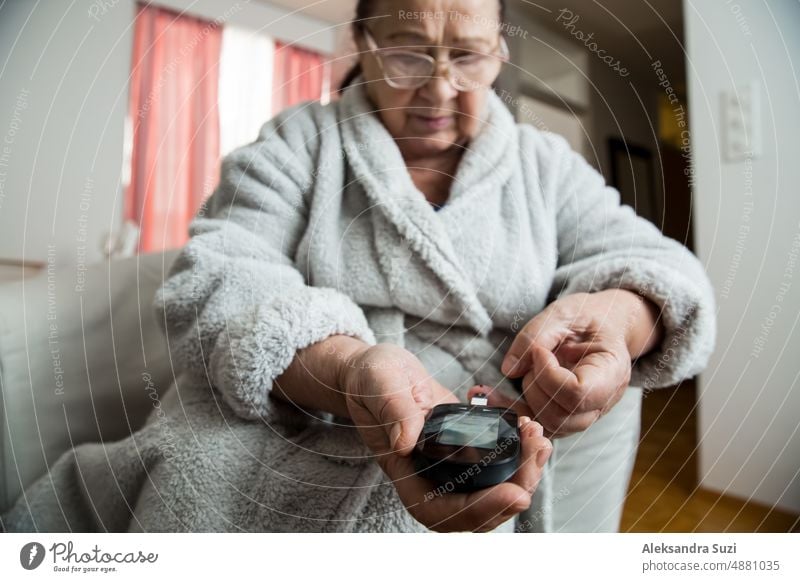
488 508
541 387
525 414
570 353
589 387
543 330
403 420
559 424
481 510
544 387
536 449
397 399
390 416
559 383
391 409
545 410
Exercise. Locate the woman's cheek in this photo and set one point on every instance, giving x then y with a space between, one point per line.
395 121
472 109
466 127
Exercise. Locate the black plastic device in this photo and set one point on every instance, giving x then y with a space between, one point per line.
464 447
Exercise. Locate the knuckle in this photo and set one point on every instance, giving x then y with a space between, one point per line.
584 395
391 410
528 383
523 344
550 422
587 420
580 393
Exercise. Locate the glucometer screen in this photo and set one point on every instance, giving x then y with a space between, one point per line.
460 429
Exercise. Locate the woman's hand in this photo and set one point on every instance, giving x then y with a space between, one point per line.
575 356
388 393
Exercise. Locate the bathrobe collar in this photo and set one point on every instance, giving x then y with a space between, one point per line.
378 165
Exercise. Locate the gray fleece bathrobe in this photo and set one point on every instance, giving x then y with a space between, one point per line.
317 229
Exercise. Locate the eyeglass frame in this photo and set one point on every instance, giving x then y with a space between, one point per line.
374 50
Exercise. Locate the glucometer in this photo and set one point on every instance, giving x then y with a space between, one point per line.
465 447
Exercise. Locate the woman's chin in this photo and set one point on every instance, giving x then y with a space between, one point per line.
428 145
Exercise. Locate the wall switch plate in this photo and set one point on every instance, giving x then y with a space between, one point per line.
741 122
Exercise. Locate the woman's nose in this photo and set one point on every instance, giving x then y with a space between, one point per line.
438 89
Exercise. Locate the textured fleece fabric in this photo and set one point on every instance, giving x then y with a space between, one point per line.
317 229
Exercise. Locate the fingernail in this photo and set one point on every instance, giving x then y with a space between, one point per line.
542 456
394 435
480 388
509 363
523 420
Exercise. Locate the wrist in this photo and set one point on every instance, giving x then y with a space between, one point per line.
314 378
343 352
645 330
639 318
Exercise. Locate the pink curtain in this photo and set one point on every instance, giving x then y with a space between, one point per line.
173 108
300 75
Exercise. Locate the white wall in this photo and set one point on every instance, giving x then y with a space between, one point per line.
605 103
62 104
547 81
64 69
748 234
547 60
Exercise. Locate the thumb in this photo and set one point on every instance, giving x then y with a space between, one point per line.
404 433
402 418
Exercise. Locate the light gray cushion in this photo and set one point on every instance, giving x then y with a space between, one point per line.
81 358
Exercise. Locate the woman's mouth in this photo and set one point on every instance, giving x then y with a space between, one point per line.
434 123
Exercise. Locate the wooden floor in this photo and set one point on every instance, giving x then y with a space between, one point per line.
663 496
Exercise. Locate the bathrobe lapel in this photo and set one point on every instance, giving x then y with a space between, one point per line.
413 242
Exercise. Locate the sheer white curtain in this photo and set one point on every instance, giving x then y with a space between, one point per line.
245 85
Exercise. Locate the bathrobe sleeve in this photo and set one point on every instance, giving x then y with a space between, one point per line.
234 307
603 245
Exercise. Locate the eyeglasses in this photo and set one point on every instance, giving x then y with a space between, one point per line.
405 69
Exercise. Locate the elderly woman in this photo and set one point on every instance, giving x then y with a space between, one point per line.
405 246
382 254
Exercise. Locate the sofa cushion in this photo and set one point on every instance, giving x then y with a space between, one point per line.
81 359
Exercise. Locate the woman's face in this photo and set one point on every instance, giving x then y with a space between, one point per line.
433 118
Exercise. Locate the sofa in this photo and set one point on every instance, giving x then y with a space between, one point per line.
81 359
